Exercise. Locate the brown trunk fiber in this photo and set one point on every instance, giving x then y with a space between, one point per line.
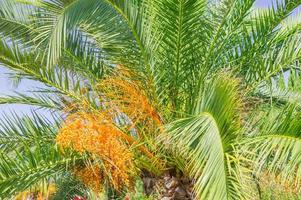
168 186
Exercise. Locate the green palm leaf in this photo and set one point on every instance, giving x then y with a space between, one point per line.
29 154
19 172
15 132
208 141
278 144
179 52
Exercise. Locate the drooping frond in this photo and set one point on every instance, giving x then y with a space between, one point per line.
21 171
259 53
59 20
280 95
28 154
42 101
207 140
276 139
15 132
59 80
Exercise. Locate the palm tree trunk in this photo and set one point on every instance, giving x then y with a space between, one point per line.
169 186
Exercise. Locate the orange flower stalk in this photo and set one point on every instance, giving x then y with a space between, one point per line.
91 177
129 98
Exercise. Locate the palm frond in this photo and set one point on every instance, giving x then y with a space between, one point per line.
39 100
15 132
58 20
207 140
24 63
279 95
68 187
29 154
178 53
278 144
14 20
264 39
226 19
20 171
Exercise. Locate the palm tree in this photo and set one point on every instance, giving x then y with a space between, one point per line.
206 89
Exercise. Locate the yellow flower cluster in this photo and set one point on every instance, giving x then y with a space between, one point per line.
85 132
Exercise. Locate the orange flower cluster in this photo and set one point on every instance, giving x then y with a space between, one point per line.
130 99
91 177
91 133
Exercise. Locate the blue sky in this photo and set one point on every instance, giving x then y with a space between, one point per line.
263 3
6 86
